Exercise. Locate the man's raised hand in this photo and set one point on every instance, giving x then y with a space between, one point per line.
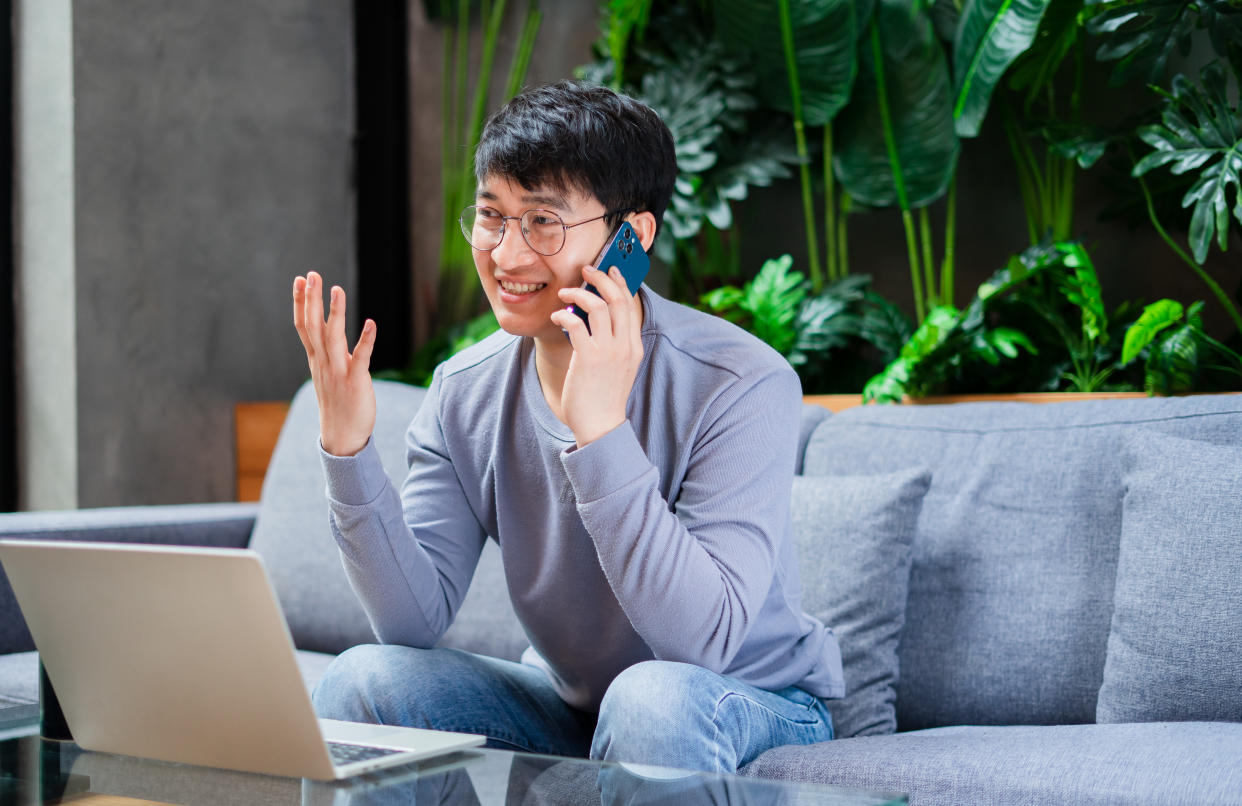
342 381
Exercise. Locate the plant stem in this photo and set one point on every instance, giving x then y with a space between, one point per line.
526 46
843 243
795 92
950 243
1199 270
1027 177
894 161
830 210
929 272
1223 349
912 253
1065 207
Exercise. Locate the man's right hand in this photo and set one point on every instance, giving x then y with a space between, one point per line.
342 381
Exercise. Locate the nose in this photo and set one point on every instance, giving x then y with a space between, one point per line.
513 249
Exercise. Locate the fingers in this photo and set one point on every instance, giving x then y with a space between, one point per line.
334 335
613 310
299 313
361 360
325 341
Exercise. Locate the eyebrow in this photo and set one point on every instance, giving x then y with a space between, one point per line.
548 199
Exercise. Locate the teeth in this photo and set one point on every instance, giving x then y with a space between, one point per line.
521 288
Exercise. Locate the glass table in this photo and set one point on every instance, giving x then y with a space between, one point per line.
35 771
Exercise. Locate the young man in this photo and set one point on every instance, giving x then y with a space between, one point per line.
636 476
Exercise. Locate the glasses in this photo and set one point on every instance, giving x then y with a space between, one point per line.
543 230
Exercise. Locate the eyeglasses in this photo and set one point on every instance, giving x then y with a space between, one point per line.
543 230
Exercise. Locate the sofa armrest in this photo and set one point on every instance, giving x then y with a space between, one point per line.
225 525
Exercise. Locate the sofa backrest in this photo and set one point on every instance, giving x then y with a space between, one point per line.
1015 553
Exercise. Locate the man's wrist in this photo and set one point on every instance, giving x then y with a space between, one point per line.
586 435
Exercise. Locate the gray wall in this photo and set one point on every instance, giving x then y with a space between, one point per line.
211 145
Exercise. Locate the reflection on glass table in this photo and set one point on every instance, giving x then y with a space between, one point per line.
33 771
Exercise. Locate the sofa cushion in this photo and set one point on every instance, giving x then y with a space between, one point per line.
852 535
1088 765
1011 586
1175 649
19 672
293 534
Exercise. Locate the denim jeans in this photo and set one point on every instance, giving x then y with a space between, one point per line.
657 712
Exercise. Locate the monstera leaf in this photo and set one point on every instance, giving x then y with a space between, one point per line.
825 32
1143 35
704 96
895 139
990 35
1207 140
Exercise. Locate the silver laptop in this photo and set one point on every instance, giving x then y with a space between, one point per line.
182 654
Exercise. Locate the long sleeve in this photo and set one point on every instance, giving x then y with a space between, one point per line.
693 574
409 557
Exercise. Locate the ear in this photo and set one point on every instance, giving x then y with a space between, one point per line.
644 225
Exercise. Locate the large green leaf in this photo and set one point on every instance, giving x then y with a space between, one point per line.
1155 318
895 143
825 32
1211 145
990 35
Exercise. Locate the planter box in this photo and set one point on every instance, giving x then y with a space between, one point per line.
839 402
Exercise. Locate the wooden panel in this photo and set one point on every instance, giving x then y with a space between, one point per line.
256 428
841 402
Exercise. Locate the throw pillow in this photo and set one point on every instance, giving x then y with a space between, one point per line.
1175 645
853 535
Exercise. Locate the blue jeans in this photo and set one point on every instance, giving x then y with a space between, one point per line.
657 712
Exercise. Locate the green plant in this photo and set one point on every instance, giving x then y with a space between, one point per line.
1081 286
462 117
1036 290
1200 131
447 343
724 142
813 329
767 306
1175 344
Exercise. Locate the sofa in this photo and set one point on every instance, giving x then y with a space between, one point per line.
1037 603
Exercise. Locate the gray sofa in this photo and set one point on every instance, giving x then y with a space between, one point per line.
1036 603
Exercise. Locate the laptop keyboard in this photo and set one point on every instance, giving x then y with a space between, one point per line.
343 753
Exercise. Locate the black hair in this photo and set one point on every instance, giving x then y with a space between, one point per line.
572 136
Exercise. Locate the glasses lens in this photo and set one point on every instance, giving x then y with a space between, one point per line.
482 226
544 231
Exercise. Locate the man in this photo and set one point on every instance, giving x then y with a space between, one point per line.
636 476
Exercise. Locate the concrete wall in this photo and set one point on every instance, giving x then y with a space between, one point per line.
210 154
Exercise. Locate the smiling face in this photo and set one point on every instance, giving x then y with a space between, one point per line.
521 284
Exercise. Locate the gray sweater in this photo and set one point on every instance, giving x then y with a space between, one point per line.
668 538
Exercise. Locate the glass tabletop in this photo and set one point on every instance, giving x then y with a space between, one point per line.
36 772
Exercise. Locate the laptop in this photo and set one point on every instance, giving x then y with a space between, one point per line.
182 654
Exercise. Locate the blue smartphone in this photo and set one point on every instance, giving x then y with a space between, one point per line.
624 251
